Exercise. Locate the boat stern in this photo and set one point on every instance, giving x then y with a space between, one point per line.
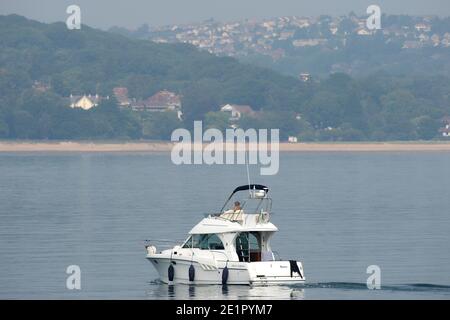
276 272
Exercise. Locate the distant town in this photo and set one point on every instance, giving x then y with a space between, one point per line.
274 37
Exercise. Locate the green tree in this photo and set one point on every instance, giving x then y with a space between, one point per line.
23 125
160 125
218 120
199 99
426 127
4 129
397 109
110 105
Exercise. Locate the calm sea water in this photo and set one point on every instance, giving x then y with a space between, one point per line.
337 212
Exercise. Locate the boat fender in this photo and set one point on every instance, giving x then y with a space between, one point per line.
171 272
191 273
225 276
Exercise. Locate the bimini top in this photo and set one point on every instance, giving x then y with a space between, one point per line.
250 187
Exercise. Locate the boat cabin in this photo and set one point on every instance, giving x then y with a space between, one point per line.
241 230
245 246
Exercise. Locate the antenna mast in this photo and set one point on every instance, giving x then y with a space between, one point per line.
247 160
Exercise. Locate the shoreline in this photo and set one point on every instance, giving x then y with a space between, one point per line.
160 146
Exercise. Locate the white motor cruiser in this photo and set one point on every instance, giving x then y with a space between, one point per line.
229 247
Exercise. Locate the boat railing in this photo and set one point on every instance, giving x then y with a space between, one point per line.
221 216
242 217
263 217
163 244
276 256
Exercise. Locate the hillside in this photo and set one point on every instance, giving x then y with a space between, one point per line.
86 60
41 65
92 61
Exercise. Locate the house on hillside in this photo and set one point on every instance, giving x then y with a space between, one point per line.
40 86
410 44
446 129
163 101
305 77
445 42
423 27
159 102
237 111
334 28
308 42
363 32
121 94
85 102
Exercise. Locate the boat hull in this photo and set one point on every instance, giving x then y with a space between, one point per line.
239 273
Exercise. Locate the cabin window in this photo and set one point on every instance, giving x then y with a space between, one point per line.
204 241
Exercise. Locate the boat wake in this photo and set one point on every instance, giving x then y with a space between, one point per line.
330 290
416 287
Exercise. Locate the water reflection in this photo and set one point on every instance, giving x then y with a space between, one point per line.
322 290
225 290
182 292
191 291
171 291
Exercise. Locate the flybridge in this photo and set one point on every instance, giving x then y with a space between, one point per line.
231 149
248 208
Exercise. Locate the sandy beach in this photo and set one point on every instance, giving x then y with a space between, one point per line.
84 146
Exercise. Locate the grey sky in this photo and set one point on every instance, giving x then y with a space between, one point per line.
132 13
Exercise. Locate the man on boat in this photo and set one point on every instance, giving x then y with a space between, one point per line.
234 214
237 206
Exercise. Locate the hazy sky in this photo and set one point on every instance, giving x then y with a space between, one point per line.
132 13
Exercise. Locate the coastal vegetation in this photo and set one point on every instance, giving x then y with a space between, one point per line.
41 65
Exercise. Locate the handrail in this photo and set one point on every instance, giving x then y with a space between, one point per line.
276 256
163 244
164 240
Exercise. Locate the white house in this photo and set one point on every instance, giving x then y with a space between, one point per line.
236 111
423 27
446 129
85 102
121 94
305 77
364 32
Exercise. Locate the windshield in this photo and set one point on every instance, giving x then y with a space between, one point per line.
204 241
